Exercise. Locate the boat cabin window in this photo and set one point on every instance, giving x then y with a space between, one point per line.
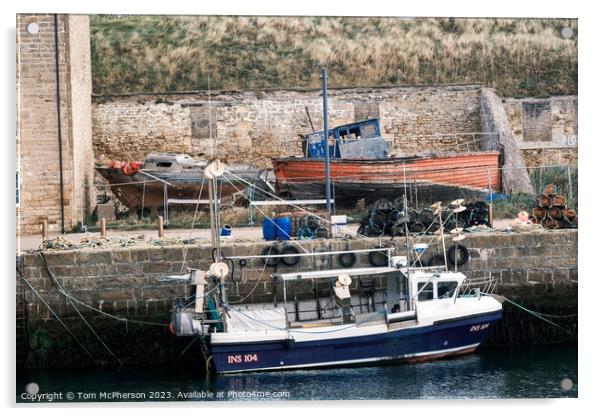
368 130
425 291
446 289
163 164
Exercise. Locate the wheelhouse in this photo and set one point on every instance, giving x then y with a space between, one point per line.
361 140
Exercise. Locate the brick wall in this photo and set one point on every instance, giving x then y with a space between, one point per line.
253 126
37 134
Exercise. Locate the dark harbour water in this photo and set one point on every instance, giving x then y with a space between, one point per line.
518 372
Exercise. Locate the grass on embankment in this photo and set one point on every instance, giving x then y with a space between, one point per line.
518 57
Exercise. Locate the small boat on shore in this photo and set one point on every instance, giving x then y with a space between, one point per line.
168 176
360 167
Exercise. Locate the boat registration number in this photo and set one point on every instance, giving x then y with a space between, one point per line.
479 327
243 358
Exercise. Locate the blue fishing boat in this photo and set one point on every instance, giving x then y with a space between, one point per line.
395 311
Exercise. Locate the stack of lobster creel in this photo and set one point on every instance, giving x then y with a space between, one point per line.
386 218
309 227
552 211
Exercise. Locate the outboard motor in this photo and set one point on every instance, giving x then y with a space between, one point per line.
183 324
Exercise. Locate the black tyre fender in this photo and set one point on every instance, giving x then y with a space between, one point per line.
437 260
452 255
347 259
270 251
378 258
290 261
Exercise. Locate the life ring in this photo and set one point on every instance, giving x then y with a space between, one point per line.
270 251
290 261
452 254
378 258
347 259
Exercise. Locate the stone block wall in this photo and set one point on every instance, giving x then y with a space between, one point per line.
545 129
126 282
37 116
515 177
254 126
543 122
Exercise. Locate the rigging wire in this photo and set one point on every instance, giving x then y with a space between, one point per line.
35 292
57 284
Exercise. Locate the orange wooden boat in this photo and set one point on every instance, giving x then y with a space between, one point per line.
373 175
442 177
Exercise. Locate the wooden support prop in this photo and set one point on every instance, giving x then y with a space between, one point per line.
45 230
161 233
490 214
103 227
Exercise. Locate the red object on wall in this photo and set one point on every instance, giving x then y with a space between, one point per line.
129 168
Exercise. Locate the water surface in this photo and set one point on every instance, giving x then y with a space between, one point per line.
518 372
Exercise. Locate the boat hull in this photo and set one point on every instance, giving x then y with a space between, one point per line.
442 177
139 191
441 339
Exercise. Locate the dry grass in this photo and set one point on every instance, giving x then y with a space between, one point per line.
177 53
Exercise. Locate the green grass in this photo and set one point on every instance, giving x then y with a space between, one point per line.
518 57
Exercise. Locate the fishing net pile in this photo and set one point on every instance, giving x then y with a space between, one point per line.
90 241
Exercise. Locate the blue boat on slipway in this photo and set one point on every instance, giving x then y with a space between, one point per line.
396 311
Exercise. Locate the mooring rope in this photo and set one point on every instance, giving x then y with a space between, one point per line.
35 292
61 290
543 316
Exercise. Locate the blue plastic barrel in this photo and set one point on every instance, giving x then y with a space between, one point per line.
269 229
226 231
284 228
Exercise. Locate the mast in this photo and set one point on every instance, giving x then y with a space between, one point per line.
409 305
326 146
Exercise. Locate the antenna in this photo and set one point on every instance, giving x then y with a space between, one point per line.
407 231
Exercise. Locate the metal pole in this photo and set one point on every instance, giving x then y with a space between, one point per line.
143 193
568 171
326 145
58 122
165 204
490 205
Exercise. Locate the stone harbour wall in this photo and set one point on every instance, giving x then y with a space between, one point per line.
38 165
254 126
537 269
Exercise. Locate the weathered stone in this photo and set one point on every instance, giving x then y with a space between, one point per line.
40 186
156 267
